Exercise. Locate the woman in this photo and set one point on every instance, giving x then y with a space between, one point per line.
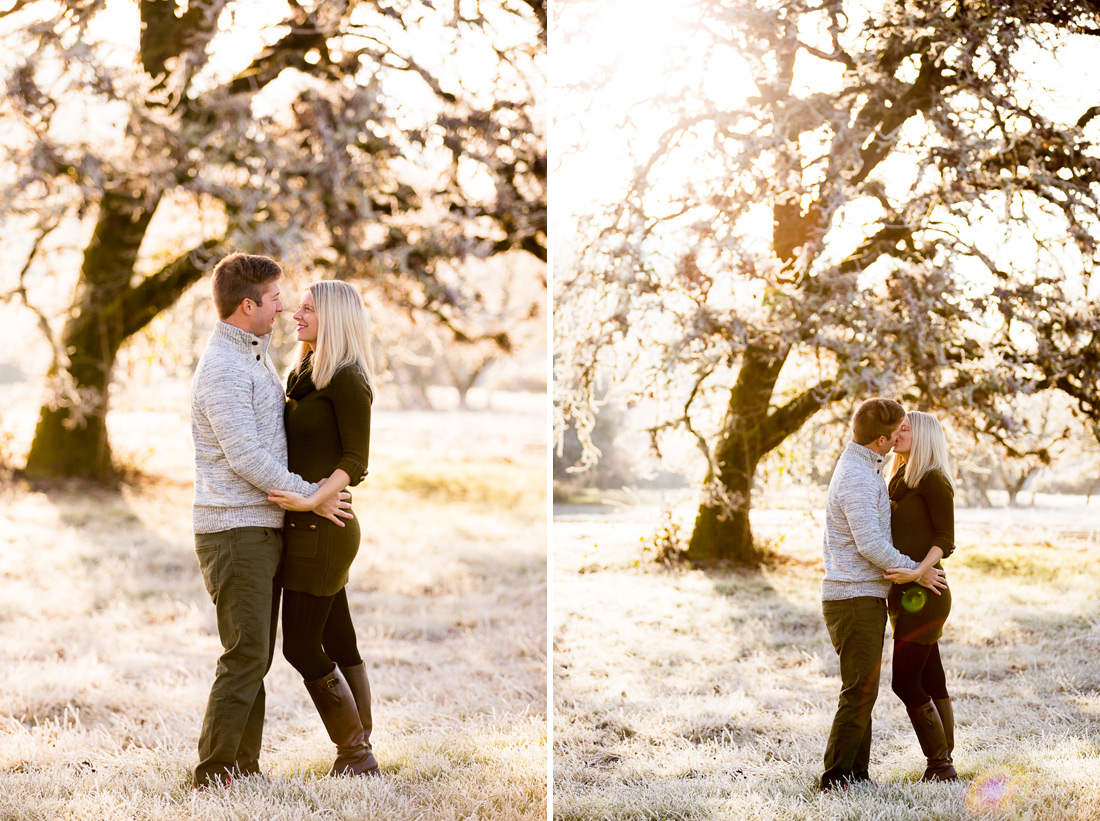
327 418
923 526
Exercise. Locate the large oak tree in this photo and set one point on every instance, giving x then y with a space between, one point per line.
897 205
378 140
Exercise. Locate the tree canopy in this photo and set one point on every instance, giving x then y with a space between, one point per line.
384 141
895 203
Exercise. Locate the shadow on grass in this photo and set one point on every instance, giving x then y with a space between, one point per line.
123 556
662 668
100 605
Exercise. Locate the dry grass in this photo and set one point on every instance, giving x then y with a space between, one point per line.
681 694
109 639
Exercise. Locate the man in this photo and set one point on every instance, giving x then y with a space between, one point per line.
858 548
240 454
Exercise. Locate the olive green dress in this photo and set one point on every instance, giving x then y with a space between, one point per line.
922 516
326 428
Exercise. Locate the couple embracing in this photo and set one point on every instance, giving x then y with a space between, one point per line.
272 519
883 544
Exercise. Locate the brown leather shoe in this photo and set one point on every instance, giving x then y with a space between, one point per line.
335 703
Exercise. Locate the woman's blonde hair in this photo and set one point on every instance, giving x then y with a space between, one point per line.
927 451
343 332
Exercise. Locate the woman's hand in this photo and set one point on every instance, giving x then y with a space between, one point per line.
289 501
900 575
926 574
932 578
333 507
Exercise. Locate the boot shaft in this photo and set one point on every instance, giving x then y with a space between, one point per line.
946 712
933 743
359 684
336 705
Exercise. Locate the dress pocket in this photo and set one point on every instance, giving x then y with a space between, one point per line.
300 536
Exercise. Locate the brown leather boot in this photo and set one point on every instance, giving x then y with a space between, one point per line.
357 680
947 717
336 705
929 730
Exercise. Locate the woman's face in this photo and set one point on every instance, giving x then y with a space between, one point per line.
903 438
306 317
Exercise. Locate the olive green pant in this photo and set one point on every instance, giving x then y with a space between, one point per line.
856 628
238 567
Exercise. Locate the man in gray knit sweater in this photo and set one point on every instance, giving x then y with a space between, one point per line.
858 549
240 454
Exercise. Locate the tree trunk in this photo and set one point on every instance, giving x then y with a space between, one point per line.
750 430
722 531
1015 484
71 437
465 381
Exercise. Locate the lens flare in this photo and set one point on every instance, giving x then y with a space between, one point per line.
914 599
993 792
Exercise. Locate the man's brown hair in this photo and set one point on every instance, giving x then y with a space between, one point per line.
876 417
242 276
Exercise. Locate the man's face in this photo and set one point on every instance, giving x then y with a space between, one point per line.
263 315
902 439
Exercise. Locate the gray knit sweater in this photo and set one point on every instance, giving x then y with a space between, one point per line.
858 545
237 424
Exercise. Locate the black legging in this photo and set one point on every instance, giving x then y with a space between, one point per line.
318 633
917 674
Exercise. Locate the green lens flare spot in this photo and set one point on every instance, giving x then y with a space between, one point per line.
913 600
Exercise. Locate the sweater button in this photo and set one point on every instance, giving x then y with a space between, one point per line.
257 357
313 527
254 342
292 524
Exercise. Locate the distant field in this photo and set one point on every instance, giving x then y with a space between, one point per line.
108 640
682 694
